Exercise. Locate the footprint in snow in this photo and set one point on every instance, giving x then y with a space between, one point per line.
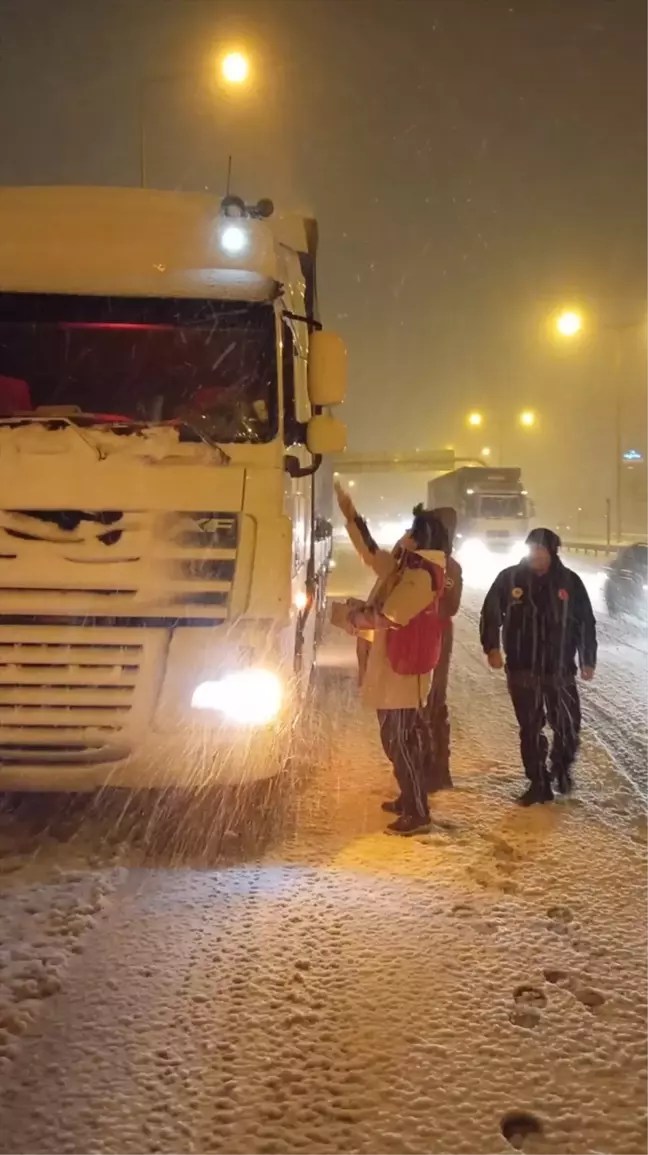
473 917
590 997
560 918
518 1127
529 1001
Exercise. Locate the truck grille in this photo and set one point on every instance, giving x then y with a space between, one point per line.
107 564
67 693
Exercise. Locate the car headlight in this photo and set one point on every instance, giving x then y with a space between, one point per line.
249 697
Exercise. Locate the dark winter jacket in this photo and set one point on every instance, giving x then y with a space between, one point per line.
545 621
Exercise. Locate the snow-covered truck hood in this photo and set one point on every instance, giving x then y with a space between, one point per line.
57 465
95 523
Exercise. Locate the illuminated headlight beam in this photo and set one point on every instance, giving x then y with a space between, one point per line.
247 697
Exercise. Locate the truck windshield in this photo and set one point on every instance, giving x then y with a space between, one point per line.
211 364
498 505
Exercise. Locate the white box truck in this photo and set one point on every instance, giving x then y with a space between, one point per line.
165 509
492 510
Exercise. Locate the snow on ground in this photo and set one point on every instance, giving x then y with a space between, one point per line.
46 911
324 988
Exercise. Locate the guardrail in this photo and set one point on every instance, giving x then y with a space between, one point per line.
593 547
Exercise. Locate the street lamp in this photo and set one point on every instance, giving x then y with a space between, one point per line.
476 420
569 323
234 73
235 68
528 418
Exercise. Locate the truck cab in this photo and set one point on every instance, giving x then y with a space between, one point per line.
493 511
165 531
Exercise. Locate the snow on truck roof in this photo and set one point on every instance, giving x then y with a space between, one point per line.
139 242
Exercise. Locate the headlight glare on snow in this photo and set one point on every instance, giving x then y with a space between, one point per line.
247 697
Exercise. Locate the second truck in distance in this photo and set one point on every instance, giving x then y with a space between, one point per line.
493 511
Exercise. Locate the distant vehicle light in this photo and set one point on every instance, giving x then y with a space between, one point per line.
248 697
234 240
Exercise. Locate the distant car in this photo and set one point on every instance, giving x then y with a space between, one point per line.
626 582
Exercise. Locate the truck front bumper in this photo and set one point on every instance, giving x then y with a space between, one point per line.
95 707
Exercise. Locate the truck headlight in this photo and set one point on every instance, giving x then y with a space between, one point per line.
473 549
249 697
519 550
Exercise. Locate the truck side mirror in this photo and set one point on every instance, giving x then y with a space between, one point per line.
325 434
327 369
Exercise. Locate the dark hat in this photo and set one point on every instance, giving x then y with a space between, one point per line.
448 518
428 530
546 538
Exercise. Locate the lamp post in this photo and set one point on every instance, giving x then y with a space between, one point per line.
570 323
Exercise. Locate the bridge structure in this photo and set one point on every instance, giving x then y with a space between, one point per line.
411 461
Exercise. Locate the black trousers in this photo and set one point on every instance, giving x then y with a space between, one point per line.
406 742
438 766
537 701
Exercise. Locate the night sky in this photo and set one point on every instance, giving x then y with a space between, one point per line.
474 164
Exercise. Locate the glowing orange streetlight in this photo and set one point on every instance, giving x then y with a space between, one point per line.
569 323
528 418
235 68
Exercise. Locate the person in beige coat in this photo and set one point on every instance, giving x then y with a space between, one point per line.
404 588
439 777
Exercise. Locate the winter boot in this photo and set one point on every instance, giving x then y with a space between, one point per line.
536 792
563 780
409 824
392 806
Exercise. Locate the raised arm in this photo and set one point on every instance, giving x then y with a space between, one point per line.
379 560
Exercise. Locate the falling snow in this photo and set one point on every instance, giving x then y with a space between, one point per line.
291 980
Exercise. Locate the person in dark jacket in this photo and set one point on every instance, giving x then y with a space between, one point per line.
541 615
439 777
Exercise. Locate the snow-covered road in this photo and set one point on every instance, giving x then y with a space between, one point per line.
287 979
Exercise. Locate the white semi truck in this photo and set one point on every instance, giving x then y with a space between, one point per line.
493 511
165 509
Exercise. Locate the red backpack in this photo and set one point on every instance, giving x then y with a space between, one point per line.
416 647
